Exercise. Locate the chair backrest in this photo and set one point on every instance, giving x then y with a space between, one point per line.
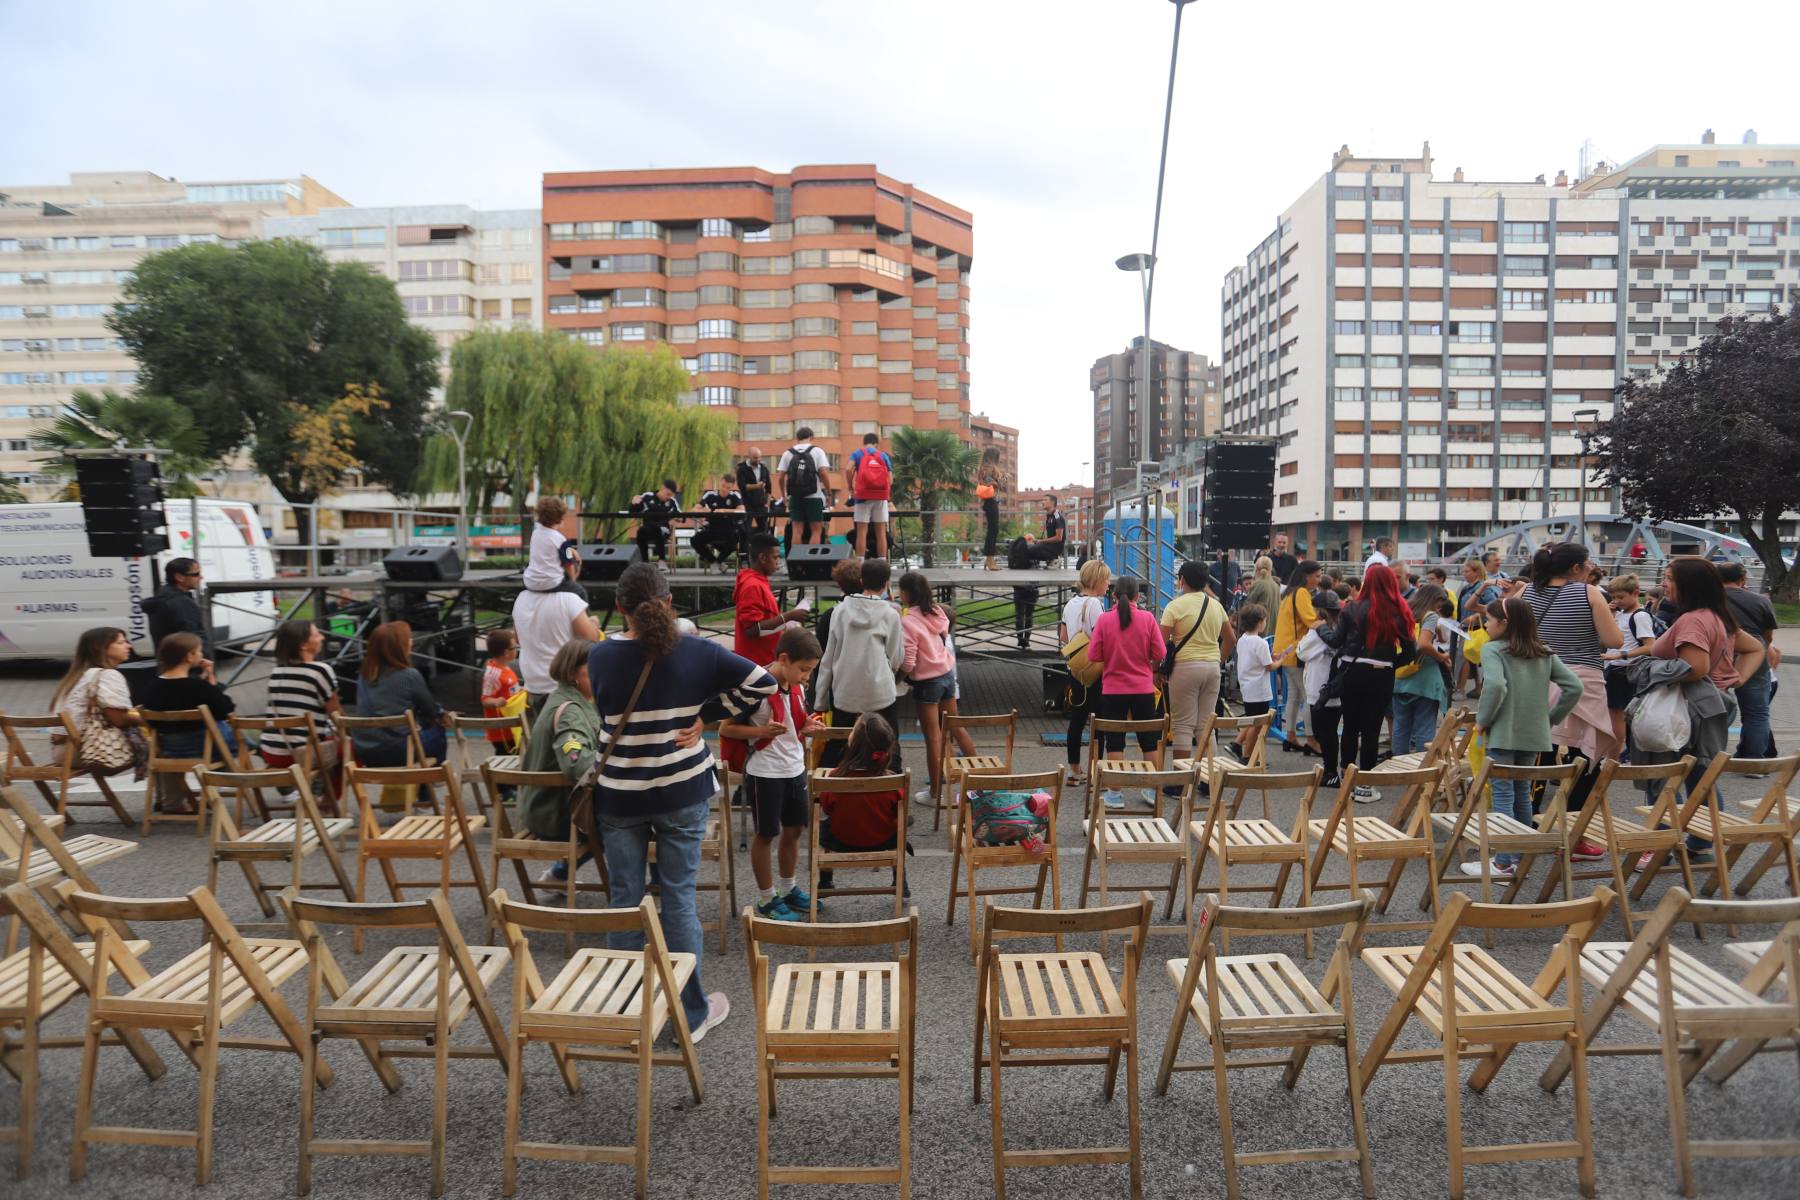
99 913
1559 781
1009 721
1353 915
23 902
214 783
297 731
212 742
817 739
1452 737
22 730
1775 804
1046 781
515 918
357 779
1157 725
21 825
347 725
1116 774
494 778
1217 724
1418 788
460 725
1237 784
1577 918
1662 804
1004 922
820 782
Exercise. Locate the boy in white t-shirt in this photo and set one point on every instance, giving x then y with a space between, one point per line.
543 570
1255 664
775 776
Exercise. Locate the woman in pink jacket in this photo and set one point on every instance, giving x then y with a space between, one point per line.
927 662
1128 644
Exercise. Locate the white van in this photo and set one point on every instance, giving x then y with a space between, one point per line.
51 588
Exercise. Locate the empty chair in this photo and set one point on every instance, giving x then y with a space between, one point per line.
435 839
1157 730
195 999
1474 826
515 730
58 762
32 853
1062 1008
411 994
847 1019
1259 1001
1138 841
980 856
1360 839
1772 823
1647 847
1209 760
289 840
605 1006
1229 839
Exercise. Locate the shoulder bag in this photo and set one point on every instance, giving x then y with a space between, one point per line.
1172 649
1074 652
581 796
104 747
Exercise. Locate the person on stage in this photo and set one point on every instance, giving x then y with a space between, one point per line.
722 534
753 485
656 510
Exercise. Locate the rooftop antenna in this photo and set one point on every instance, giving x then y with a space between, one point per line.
1587 147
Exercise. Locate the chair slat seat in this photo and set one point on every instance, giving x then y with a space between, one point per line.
1399 762
598 988
1486 992
967 763
58 985
1123 834
1711 827
1057 993
1260 991
176 995
834 1004
1747 953
1372 834
401 988
280 832
88 849
1246 836
424 828
1701 993
1504 831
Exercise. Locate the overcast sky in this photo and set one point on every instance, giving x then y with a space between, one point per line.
1042 118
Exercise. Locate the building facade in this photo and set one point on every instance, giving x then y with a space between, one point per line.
831 297
1076 502
1186 390
457 268
985 432
66 251
1427 351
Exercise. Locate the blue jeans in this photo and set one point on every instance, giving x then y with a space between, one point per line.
1415 720
626 841
1755 740
1512 797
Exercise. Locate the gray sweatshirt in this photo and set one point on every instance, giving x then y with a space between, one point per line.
857 673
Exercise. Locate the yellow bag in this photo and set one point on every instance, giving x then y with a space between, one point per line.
1473 643
1411 668
1075 653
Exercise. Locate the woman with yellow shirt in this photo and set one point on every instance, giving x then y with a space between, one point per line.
1293 618
1195 621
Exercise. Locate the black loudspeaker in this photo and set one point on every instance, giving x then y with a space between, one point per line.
1236 510
121 506
1252 460
1239 494
423 564
812 563
604 564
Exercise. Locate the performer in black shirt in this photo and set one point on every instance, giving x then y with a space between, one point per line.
1056 529
656 508
753 484
721 536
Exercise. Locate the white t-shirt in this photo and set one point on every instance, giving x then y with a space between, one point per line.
1253 663
544 572
1637 626
821 462
784 757
542 620
1081 614
1313 652
113 693
1378 557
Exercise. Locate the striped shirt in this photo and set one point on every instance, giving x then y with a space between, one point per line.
647 773
296 690
1566 623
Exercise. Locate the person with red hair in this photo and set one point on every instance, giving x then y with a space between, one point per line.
1372 637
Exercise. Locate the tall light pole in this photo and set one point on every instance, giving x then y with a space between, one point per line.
462 478
1143 264
1582 415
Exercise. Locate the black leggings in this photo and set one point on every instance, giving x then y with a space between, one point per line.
653 538
1324 726
1368 694
715 544
1133 706
990 512
1081 707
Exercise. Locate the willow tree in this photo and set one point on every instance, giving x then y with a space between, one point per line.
552 414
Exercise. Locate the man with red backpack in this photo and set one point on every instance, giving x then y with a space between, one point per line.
871 483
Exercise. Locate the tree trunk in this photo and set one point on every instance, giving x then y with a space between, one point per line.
928 530
1764 536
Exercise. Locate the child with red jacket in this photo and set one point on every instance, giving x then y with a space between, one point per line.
862 820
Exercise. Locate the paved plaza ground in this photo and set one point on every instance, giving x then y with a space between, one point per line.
708 1150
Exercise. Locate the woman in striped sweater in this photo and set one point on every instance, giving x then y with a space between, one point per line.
659 780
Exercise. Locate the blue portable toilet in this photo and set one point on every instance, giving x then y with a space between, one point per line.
1123 531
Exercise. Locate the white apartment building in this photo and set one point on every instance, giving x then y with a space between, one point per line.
65 252
1422 348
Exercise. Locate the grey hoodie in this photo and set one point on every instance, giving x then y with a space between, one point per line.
866 646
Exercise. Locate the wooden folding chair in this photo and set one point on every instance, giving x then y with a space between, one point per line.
1475 826
980 857
1043 1010
167 774
289 840
1449 744
1358 839
1765 964
1163 727
715 847
817 739
953 768
34 983
413 993
33 854
521 847
1138 841
347 726
1693 1009
836 1020
310 759
1231 840
195 999
1490 1011
1209 760
61 751
1628 841
821 781
429 838
468 766
612 1004
1772 823
1257 1001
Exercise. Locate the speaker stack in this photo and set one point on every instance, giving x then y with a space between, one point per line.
604 564
122 505
1239 494
812 563
423 564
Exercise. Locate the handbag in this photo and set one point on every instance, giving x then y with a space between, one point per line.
1167 667
1081 668
104 747
581 796
985 491
1659 720
1409 669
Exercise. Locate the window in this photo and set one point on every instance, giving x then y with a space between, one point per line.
815 360
1471 397
1524 264
717 227
1465 233
1349 328
416 270
713 361
767 265
895 366
1352 361
1349 193
585 231
1378 227
1387 193
863 360
1389 361
715 396
1762 233
1471 331
1385 395
437 306
1385 328
816 393
1425 328
893 333
1347 395
778 298
717 328
815 326
637 297
804 225
642 331
80 310
814 293
490 310
592 302
1518 299
1524 231
1591 296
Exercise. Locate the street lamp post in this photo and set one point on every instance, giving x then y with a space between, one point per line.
1581 415
1143 264
462 476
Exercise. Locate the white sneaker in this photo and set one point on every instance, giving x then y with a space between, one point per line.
924 796
718 1007
1498 870
1364 795
549 877
1112 798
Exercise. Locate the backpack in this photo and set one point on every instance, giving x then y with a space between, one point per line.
1010 818
802 472
873 479
1018 555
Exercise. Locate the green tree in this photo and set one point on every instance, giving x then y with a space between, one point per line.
1736 397
10 493
253 338
553 414
932 466
100 422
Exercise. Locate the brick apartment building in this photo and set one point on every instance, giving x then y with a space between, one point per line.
831 297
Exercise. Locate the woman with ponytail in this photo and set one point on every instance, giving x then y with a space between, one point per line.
654 690
1374 635
1128 644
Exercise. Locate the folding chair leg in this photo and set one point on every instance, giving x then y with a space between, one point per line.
440 1108
1672 1082
1222 1093
642 1148
84 1100
28 1088
209 1082
999 1132
1453 1114
955 877
1131 1117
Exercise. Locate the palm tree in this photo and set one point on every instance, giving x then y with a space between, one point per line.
90 422
930 467
10 493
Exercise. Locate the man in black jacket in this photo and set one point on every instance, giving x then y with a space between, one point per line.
174 610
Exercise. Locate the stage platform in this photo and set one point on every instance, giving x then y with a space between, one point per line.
958 577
